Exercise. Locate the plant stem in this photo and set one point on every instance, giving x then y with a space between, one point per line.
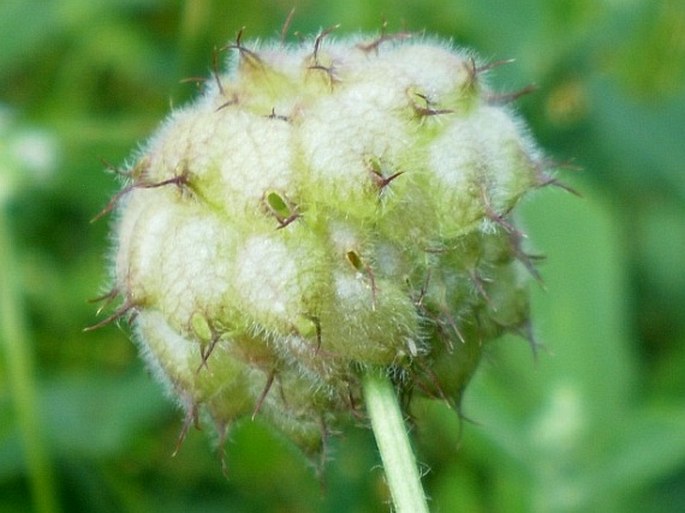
393 443
14 340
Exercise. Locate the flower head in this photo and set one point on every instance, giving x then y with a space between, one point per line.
322 209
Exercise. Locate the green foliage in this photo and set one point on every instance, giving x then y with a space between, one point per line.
594 422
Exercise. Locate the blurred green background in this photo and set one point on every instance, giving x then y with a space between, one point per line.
595 423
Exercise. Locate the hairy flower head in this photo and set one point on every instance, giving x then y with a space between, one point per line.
322 209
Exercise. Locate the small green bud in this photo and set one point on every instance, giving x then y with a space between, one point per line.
322 209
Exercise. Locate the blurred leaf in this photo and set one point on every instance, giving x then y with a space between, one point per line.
11 453
641 136
648 446
22 39
97 416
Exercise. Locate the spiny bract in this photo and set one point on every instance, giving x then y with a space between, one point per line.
322 209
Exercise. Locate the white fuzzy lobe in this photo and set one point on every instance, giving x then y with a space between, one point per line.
351 291
370 127
344 237
144 225
247 166
460 169
271 278
457 158
433 70
507 149
169 151
171 357
388 260
197 258
174 256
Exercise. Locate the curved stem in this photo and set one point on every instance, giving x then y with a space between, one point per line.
19 362
393 443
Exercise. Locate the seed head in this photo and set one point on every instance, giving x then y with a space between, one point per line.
321 209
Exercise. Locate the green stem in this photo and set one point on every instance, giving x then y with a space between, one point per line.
14 339
393 443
